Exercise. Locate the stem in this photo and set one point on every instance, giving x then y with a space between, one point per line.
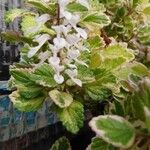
145 135
145 146
58 14
105 37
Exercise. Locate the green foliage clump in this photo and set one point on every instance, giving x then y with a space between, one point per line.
80 53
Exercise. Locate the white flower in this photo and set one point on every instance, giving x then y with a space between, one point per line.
59 42
72 73
43 56
84 3
81 32
62 7
74 20
72 39
59 78
54 61
43 18
73 54
41 39
67 15
62 29
54 49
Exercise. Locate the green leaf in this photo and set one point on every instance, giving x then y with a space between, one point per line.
114 130
23 104
42 6
141 101
103 77
72 117
85 74
21 75
135 3
134 68
61 144
61 99
11 15
76 7
95 19
144 35
95 60
146 10
13 36
98 92
29 22
29 92
95 42
112 63
99 144
44 75
97 6
115 51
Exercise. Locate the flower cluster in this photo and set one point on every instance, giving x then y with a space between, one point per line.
66 46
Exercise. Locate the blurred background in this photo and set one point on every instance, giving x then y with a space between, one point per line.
8 51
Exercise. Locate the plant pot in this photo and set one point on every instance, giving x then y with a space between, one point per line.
14 124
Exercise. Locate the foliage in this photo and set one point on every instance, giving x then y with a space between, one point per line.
79 53
61 144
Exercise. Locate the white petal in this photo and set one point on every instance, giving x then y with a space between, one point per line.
54 49
33 51
61 29
63 3
59 78
77 81
72 39
67 15
81 32
42 39
43 18
74 20
73 54
54 60
71 72
44 55
60 68
59 42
